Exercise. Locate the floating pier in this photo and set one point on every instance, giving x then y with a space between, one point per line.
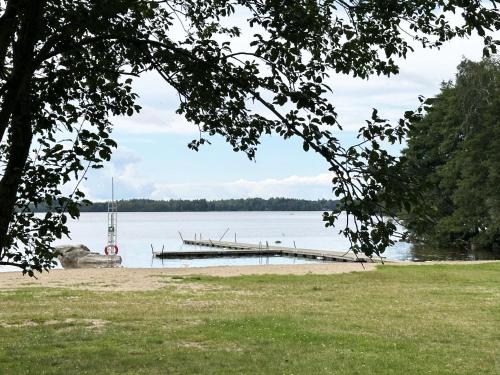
233 249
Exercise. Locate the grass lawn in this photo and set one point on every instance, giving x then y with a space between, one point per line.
440 319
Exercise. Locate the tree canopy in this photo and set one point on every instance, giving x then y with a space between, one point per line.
453 154
66 67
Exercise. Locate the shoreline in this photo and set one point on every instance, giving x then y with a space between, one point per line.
144 279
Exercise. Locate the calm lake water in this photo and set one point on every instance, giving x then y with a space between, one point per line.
137 231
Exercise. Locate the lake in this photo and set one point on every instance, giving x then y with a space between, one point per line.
137 231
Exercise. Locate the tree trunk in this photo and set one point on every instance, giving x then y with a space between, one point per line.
29 16
16 113
20 138
7 30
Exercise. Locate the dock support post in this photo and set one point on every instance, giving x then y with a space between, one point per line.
227 230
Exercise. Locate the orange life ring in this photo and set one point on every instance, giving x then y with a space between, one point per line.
115 248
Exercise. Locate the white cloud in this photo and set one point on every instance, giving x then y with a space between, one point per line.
154 121
129 183
311 187
124 168
420 74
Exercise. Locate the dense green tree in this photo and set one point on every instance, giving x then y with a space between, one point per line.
453 154
66 67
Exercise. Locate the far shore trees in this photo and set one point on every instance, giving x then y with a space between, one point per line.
203 205
241 68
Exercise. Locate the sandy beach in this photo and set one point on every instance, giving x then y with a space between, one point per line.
142 279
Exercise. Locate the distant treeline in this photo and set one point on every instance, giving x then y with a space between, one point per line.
250 204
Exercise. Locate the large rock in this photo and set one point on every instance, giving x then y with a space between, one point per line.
80 256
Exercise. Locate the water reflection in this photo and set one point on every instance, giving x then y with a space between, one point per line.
229 261
426 252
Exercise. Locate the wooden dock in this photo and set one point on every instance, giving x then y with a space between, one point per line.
233 249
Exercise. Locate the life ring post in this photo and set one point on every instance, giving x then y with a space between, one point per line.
113 248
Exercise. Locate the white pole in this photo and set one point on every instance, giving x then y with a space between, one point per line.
115 209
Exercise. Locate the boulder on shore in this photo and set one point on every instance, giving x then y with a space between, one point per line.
80 256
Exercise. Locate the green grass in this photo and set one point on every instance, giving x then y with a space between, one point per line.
396 320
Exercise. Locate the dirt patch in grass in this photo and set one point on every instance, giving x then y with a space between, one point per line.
196 288
189 285
26 323
192 345
96 324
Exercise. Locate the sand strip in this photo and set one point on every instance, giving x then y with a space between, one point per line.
142 279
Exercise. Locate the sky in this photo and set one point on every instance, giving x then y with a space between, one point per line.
153 161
